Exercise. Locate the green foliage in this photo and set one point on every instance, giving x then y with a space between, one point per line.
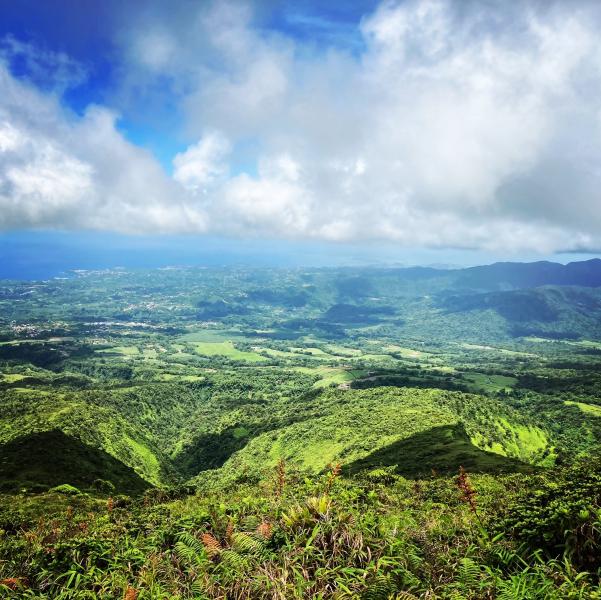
169 399
563 515
323 537
65 488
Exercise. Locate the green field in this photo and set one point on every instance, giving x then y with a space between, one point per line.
226 349
489 383
12 377
126 351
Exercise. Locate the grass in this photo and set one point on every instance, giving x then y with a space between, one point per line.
173 377
586 344
405 352
150 353
210 335
20 390
526 443
443 369
226 349
495 349
312 351
282 353
336 376
331 375
343 351
489 383
121 350
377 357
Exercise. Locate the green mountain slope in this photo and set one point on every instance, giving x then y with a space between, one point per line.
180 372
27 413
360 427
441 449
557 312
52 458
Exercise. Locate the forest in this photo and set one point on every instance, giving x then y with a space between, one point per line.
275 433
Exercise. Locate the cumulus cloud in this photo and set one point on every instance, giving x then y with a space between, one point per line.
458 124
202 164
60 170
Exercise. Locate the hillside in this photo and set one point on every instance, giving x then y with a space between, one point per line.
385 426
554 312
39 461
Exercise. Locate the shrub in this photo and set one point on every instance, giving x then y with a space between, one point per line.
562 515
68 490
103 486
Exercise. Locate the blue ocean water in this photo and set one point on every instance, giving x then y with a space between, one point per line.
32 255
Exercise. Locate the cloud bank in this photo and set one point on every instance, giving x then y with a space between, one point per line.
456 124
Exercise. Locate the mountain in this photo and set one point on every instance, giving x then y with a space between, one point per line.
553 311
52 458
507 275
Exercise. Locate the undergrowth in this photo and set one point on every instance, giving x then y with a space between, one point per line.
373 536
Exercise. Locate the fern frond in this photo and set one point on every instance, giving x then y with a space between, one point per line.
211 544
190 550
380 588
198 590
245 543
234 562
468 573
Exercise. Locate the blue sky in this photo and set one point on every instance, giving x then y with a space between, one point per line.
85 31
435 131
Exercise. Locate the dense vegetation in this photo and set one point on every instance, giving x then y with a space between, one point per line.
325 433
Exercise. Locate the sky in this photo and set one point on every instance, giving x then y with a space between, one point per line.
410 131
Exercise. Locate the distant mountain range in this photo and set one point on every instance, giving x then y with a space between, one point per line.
512 275
508 275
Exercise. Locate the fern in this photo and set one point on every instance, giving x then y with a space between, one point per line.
233 561
211 544
246 543
198 590
468 574
380 588
190 551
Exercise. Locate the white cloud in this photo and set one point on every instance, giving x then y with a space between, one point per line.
202 164
457 124
55 71
59 170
